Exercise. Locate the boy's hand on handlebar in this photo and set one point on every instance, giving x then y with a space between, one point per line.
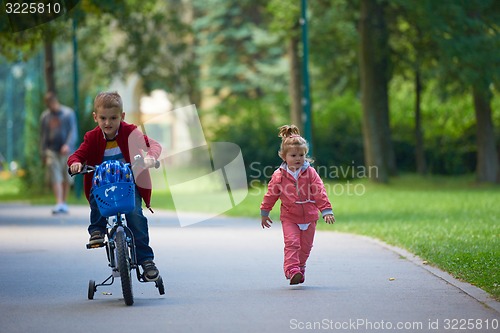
76 167
149 162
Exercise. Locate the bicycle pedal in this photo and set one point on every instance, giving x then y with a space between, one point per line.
95 246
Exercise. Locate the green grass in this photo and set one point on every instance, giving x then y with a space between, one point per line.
10 188
452 223
13 190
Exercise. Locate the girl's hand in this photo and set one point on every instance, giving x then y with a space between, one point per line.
329 218
76 167
266 222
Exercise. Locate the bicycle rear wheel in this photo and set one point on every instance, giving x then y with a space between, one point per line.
123 261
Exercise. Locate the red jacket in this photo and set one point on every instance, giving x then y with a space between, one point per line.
131 142
300 199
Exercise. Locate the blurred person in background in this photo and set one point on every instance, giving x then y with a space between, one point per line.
58 134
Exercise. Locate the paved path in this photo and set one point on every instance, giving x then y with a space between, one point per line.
223 275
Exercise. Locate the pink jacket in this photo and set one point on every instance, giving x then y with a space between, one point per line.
300 199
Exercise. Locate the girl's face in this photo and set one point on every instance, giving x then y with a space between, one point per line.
295 158
108 120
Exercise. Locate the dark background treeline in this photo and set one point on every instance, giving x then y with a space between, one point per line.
406 85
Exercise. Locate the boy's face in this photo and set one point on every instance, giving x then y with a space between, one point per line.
295 158
108 120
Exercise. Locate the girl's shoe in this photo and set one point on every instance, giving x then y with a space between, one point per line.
295 276
303 271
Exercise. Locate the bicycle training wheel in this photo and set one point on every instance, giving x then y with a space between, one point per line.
92 289
160 286
123 262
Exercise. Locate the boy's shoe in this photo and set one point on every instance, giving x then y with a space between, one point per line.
151 273
96 239
296 276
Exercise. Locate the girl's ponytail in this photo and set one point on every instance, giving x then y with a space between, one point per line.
287 131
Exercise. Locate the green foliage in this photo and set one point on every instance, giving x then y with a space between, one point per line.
21 45
466 36
150 39
285 16
333 46
234 47
449 135
337 132
34 178
253 125
233 54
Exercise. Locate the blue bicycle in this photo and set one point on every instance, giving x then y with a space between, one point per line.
114 191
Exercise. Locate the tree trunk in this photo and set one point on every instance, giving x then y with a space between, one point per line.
374 72
419 137
294 89
50 80
487 168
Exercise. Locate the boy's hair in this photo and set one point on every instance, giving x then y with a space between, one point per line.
108 100
290 138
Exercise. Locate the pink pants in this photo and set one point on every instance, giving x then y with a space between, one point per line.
298 245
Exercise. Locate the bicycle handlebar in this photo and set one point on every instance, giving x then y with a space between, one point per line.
85 169
139 160
89 168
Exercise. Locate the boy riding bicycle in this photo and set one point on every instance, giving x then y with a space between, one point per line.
114 139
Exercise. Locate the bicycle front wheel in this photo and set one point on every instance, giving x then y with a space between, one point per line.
123 261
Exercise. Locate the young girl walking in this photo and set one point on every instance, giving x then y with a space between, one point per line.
302 194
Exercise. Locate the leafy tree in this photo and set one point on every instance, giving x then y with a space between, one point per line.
31 31
467 36
413 53
285 22
334 44
239 57
374 72
153 39
137 21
